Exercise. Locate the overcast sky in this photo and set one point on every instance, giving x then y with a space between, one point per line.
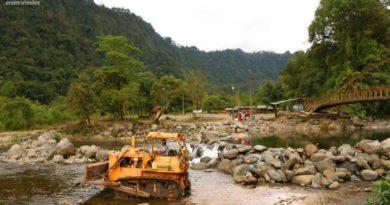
251 25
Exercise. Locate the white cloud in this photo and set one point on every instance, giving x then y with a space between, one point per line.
251 25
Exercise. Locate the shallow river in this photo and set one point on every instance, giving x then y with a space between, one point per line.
49 184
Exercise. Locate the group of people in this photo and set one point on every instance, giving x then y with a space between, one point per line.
240 116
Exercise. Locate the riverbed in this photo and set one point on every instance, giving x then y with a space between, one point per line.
53 183
50 184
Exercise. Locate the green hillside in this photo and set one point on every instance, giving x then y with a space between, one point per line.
43 49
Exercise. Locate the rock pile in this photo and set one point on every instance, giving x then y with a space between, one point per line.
308 166
46 149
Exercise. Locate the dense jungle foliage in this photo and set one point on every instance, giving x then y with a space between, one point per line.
43 48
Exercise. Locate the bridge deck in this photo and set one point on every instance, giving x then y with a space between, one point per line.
349 97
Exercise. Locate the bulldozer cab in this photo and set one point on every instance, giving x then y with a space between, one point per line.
167 151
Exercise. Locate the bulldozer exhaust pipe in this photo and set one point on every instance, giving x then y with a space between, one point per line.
133 141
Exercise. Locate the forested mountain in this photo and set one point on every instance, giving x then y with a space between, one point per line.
43 48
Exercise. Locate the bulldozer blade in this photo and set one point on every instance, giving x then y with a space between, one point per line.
131 191
95 172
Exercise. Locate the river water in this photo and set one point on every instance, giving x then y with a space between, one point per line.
51 183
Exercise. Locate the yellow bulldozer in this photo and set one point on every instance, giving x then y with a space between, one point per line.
152 170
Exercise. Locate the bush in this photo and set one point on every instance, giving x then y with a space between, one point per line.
19 113
381 193
16 114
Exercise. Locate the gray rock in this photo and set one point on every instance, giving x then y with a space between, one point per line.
242 169
210 136
244 149
334 185
319 156
303 180
331 175
274 175
343 173
238 179
362 163
199 166
339 158
271 160
154 127
290 162
324 165
224 165
351 167
249 178
102 155
58 158
15 152
199 152
213 162
205 159
305 171
231 154
369 146
89 151
259 148
250 159
31 153
289 174
369 174
259 165
386 147
310 149
346 149
316 181
65 148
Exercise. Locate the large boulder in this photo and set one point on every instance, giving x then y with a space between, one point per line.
249 178
224 165
259 148
199 166
205 159
231 154
250 159
310 149
369 174
351 167
89 151
65 148
241 170
210 136
334 185
15 152
102 155
386 147
319 156
277 176
305 171
331 175
324 165
58 158
303 180
369 146
271 160
244 149
316 181
362 163
346 149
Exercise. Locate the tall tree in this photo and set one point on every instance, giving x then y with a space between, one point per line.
196 82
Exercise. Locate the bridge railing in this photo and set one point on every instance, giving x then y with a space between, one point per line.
311 104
